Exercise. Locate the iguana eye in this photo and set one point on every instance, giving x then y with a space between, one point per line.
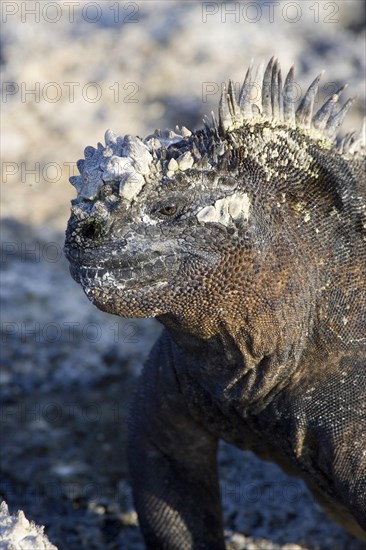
168 210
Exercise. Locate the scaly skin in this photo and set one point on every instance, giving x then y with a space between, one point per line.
250 247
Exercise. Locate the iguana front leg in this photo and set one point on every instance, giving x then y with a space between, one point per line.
172 463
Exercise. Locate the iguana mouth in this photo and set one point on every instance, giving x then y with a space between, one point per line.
128 276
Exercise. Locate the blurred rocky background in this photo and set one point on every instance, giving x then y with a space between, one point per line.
70 70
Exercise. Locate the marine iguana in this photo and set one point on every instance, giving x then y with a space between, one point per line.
247 240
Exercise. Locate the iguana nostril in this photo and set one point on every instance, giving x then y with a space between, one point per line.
91 229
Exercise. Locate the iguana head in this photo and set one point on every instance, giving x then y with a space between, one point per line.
152 222
194 225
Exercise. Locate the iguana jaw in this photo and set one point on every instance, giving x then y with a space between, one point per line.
130 292
131 279
125 266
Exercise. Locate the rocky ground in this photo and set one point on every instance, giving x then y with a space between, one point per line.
68 369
